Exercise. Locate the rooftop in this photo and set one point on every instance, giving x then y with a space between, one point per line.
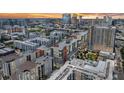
43 47
44 59
26 42
27 66
81 33
105 27
99 69
63 43
10 57
38 38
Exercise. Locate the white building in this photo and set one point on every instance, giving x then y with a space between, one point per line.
82 39
56 36
65 50
40 41
107 55
45 66
25 45
85 70
32 44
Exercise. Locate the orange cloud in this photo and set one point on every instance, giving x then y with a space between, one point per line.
57 15
30 15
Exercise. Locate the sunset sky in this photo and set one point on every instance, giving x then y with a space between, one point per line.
57 15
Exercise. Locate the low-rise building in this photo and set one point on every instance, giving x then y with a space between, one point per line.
16 65
25 46
45 66
82 39
32 44
64 50
107 55
9 58
56 36
37 70
26 71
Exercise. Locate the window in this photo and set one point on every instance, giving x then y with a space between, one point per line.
0 64
69 77
42 71
36 55
39 74
60 54
26 75
29 58
9 68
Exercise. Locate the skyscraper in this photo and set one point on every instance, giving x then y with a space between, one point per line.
66 18
80 20
107 20
74 19
102 38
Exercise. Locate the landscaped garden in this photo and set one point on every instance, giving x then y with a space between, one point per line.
90 55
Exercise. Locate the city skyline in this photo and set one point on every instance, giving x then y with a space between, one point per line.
68 47
59 15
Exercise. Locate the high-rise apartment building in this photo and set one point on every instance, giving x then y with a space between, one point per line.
107 20
66 18
102 38
74 19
